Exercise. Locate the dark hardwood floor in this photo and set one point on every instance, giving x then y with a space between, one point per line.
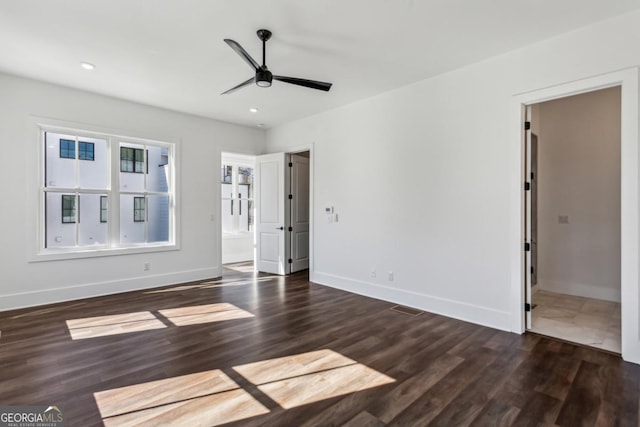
262 350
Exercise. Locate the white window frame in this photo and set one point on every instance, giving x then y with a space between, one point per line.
36 232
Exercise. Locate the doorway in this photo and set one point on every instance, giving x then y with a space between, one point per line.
284 212
266 212
237 212
573 218
627 79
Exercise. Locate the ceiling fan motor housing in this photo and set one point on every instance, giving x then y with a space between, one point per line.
263 77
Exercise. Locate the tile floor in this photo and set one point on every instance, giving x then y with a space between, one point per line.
592 322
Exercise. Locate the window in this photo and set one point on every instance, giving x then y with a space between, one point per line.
68 149
237 197
85 151
103 209
139 201
132 160
68 209
139 209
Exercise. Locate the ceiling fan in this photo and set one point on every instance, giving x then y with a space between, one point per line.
264 77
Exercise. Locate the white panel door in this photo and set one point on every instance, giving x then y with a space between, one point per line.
271 215
299 212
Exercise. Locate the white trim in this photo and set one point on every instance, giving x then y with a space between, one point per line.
629 172
89 290
35 231
580 289
243 159
454 309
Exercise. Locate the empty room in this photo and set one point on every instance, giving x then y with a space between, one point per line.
287 213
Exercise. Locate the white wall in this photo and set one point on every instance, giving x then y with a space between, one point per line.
579 177
24 283
421 177
238 248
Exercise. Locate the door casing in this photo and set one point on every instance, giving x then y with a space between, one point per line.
295 150
630 213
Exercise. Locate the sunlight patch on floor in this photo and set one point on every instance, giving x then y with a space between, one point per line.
242 268
199 314
220 283
309 377
92 327
212 398
204 398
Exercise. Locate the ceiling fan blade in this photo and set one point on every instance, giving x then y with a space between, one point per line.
241 85
313 84
243 53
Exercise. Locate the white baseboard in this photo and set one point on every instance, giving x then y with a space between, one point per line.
580 289
455 309
88 290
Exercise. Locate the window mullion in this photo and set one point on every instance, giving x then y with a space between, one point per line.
146 219
234 186
77 214
76 192
145 171
113 201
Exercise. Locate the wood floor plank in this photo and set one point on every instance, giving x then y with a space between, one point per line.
402 396
585 397
261 350
541 410
363 419
428 406
496 413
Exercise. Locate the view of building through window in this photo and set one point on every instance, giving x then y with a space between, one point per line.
79 192
237 198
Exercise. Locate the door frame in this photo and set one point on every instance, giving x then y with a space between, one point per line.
292 203
297 150
235 158
627 79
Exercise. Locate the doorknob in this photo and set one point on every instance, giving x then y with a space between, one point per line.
279 228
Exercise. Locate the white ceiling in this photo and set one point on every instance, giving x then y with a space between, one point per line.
171 54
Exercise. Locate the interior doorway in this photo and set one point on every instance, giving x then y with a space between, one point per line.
299 211
266 212
283 194
237 211
573 218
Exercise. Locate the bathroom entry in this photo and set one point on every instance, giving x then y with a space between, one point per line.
572 193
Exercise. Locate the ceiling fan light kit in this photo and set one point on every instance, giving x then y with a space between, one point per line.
263 77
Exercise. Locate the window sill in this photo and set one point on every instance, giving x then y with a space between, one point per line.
70 254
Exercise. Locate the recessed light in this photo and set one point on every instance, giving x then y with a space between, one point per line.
253 109
87 66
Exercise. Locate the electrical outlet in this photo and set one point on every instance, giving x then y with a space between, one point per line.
563 219
373 273
390 276
147 266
